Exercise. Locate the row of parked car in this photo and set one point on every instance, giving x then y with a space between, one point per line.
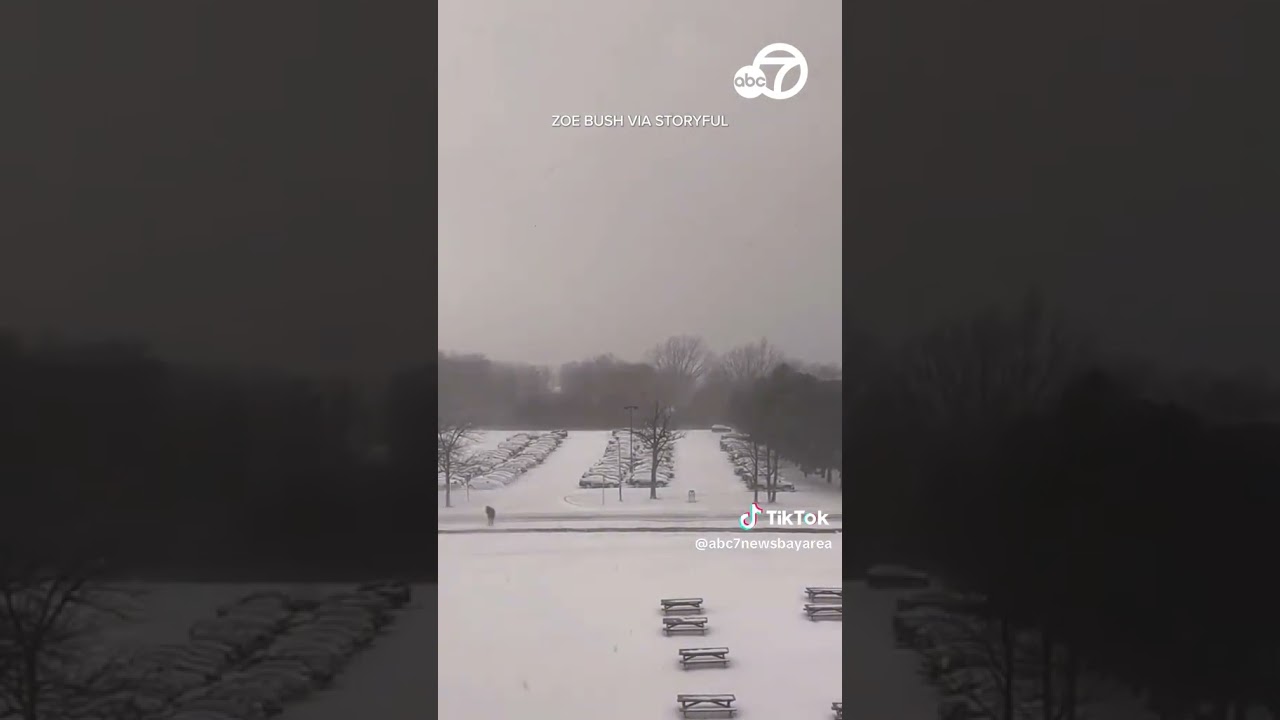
620 464
513 457
959 653
738 446
258 654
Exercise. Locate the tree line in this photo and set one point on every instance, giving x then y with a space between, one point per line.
790 415
791 410
591 393
1119 516
183 471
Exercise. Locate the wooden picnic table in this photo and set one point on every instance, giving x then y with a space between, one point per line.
672 605
704 656
825 593
834 612
706 704
684 623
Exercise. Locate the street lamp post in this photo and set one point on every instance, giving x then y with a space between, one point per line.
631 447
617 444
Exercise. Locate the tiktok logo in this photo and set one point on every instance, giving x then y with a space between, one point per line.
747 520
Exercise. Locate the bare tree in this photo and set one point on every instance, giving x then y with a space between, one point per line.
990 368
453 453
756 447
993 668
747 408
681 360
973 662
750 362
774 460
658 436
50 617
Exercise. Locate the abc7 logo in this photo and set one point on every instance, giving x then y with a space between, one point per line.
750 81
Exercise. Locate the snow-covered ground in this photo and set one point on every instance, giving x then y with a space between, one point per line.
528 626
568 626
549 494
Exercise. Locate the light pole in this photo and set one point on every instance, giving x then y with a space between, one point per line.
631 448
617 447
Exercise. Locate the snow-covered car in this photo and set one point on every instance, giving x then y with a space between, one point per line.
941 599
906 624
170 682
617 461
319 663
963 708
966 681
780 484
896 576
936 662
121 704
956 631
456 481
596 481
269 685
512 458
516 465
397 593
201 715
244 703
643 478
258 653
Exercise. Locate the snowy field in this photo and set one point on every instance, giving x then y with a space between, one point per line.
568 626
549 493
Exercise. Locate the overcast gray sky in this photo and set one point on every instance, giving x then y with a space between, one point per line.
561 243
251 186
